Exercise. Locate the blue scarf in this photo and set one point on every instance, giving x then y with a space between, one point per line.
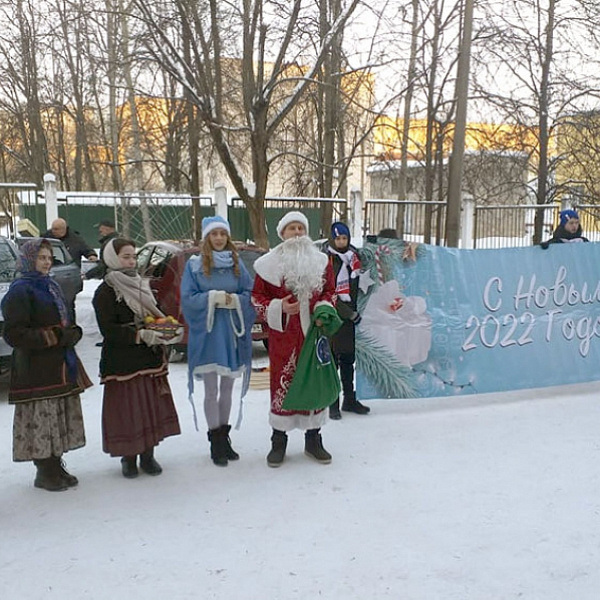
45 291
222 259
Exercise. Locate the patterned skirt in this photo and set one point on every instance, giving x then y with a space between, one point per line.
137 414
49 427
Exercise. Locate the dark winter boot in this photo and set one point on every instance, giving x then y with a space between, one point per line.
351 404
334 411
278 447
129 467
48 475
218 447
69 479
148 463
231 453
313 447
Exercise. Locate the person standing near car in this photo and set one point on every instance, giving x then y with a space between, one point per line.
215 299
46 375
107 232
74 243
137 407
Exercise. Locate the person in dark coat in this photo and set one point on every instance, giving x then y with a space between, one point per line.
46 375
72 240
107 232
76 246
346 267
137 408
568 230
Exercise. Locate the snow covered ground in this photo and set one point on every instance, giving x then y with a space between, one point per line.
484 498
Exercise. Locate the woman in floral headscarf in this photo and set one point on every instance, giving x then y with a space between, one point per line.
46 375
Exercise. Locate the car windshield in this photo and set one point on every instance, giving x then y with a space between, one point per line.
8 262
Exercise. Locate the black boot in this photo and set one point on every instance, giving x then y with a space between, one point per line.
351 404
48 475
334 411
148 463
218 447
313 446
129 467
278 447
231 453
69 479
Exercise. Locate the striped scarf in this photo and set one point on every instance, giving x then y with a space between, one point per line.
350 270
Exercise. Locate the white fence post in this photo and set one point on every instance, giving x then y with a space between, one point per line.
50 199
567 202
221 200
356 217
467 226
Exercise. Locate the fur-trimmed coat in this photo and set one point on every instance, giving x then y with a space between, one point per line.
286 335
32 326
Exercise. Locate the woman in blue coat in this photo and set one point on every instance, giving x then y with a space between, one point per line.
215 298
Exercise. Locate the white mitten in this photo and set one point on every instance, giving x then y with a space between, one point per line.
176 338
151 338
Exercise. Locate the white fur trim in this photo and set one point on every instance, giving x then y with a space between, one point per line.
216 225
292 217
275 314
323 303
218 299
219 370
213 298
304 316
268 267
314 420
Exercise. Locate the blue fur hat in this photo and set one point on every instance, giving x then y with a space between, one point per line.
338 229
216 222
565 215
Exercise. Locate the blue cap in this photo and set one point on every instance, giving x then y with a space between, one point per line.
565 215
338 229
216 222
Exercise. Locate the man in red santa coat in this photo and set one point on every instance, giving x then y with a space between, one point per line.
291 280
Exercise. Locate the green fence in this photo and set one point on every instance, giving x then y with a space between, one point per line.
172 218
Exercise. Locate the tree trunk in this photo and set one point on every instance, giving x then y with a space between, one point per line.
114 121
138 167
412 61
542 178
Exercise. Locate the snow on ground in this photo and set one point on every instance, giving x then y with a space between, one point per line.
484 498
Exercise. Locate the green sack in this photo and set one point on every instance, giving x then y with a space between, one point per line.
316 384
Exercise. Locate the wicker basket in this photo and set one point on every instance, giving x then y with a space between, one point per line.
168 330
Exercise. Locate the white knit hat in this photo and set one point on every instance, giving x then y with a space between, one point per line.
291 217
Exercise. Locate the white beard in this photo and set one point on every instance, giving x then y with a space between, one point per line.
300 262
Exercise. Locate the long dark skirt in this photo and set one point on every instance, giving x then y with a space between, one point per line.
137 414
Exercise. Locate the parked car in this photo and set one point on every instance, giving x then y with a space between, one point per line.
163 264
64 270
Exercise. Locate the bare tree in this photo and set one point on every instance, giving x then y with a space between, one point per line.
20 79
273 36
536 49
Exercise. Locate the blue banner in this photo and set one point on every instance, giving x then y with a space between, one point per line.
444 322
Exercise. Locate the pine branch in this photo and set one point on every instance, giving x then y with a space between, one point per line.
390 378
